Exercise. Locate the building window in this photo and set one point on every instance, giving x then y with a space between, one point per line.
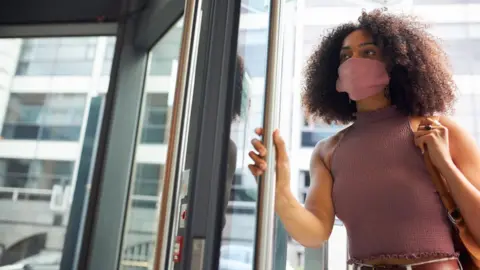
108 60
148 179
57 57
240 192
303 185
165 52
314 131
154 125
56 117
249 6
243 194
237 180
37 174
311 138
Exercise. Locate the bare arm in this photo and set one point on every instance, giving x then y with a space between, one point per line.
463 174
454 152
311 225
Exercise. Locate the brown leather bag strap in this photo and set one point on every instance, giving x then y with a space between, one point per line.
453 213
470 259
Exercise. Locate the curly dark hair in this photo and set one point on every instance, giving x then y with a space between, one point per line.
238 87
421 81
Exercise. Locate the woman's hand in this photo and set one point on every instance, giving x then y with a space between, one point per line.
282 164
432 137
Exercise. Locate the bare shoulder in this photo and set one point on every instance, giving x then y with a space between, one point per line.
452 125
325 148
456 131
461 141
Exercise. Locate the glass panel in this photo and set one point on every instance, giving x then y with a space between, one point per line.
238 237
43 132
151 153
107 64
57 57
44 116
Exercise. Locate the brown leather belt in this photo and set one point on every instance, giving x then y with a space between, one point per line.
434 265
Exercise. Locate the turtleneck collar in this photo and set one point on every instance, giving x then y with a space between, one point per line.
376 115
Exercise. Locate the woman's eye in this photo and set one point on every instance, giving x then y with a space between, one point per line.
370 52
344 57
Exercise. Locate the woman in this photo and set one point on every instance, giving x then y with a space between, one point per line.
238 101
388 77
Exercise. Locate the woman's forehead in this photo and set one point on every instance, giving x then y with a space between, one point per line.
357 38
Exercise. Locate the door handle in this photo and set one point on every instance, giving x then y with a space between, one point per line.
264 247
177 143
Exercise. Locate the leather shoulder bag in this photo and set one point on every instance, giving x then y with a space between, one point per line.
464 241
466 245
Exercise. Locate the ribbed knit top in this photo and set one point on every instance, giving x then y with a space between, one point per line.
383 194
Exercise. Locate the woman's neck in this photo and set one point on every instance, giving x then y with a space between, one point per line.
373 103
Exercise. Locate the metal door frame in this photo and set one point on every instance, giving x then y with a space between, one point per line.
214 89
210 132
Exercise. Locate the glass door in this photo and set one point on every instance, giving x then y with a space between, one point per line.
215 214
221 216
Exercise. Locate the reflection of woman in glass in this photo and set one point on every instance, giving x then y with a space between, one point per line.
388 77
238 104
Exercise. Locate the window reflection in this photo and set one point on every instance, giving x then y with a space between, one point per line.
147 179
108 58
155 119
39 174
44 116
164 53
43 120
44 57
151 153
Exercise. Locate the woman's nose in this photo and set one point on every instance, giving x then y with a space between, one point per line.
356 54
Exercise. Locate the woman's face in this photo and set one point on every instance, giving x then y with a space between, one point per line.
360 44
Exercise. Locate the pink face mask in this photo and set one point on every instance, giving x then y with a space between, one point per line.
361 78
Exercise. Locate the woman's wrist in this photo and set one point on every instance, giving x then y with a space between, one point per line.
447 165
283 198
282 190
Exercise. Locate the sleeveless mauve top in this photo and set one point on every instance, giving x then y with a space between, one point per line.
383 193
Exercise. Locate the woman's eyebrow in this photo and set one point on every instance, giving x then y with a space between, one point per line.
361 45
366 43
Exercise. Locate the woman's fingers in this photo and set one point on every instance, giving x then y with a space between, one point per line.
260 165
280 149
258 145
259 162
428 124
259 131
255 170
